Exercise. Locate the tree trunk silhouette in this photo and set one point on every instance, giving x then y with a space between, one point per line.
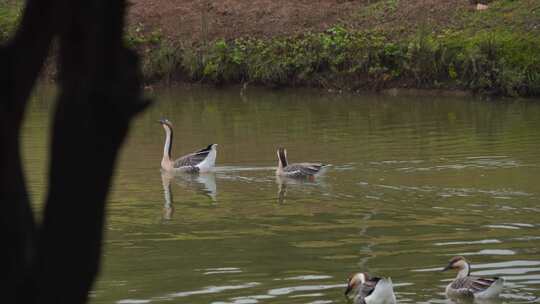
57 261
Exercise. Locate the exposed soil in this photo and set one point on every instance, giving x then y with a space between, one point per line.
193 21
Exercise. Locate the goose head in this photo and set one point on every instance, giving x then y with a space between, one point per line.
355 281
282 157
457 262
167 124
461 265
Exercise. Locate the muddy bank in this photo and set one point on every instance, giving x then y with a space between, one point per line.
196 21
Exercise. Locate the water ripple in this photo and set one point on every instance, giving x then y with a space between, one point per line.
132 301
211 289
489 252
492 241
307 277
506 271
288 290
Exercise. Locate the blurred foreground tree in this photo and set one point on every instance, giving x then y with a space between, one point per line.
57 260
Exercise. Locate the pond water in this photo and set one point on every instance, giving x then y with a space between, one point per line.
413 182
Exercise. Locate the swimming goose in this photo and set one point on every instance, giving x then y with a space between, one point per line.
466 285
199 161
302 170
370 290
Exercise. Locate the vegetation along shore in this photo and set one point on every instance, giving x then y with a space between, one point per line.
338 45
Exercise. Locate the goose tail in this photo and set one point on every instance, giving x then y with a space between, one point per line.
384 292
209 162
492 291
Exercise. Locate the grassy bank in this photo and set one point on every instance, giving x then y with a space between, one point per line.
498 62
10 13
495 52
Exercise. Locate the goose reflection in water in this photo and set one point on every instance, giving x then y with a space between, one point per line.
468 301
203 183
168 207
284 183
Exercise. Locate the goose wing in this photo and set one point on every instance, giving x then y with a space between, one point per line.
193 159
367 289
471 285
303 169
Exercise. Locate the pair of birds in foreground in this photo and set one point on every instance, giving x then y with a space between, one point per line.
364 289
361 287
204 160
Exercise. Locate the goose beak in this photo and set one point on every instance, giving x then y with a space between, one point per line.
348 290
449 266
164 121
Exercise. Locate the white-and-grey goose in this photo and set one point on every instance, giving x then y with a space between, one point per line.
466 285
300 170
364 289
200 161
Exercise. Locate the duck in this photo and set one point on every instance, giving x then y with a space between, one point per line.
301 170
199 161
465 285
364 289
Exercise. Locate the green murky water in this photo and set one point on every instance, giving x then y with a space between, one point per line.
413 182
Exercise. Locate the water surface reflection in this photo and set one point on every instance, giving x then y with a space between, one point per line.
414 181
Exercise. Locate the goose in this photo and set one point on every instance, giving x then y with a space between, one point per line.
302 170
364 289
199 161
466 285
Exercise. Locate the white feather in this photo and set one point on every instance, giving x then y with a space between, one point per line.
493 291
383 293
209 162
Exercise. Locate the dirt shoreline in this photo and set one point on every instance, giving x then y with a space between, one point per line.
196 21
243 89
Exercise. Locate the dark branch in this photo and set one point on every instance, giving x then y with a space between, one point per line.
100 94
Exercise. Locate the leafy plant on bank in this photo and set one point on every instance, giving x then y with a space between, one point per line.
496 63
10 14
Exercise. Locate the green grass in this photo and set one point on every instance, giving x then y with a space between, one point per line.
496 51
10 14
377 10
512 15
499 62
490 52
